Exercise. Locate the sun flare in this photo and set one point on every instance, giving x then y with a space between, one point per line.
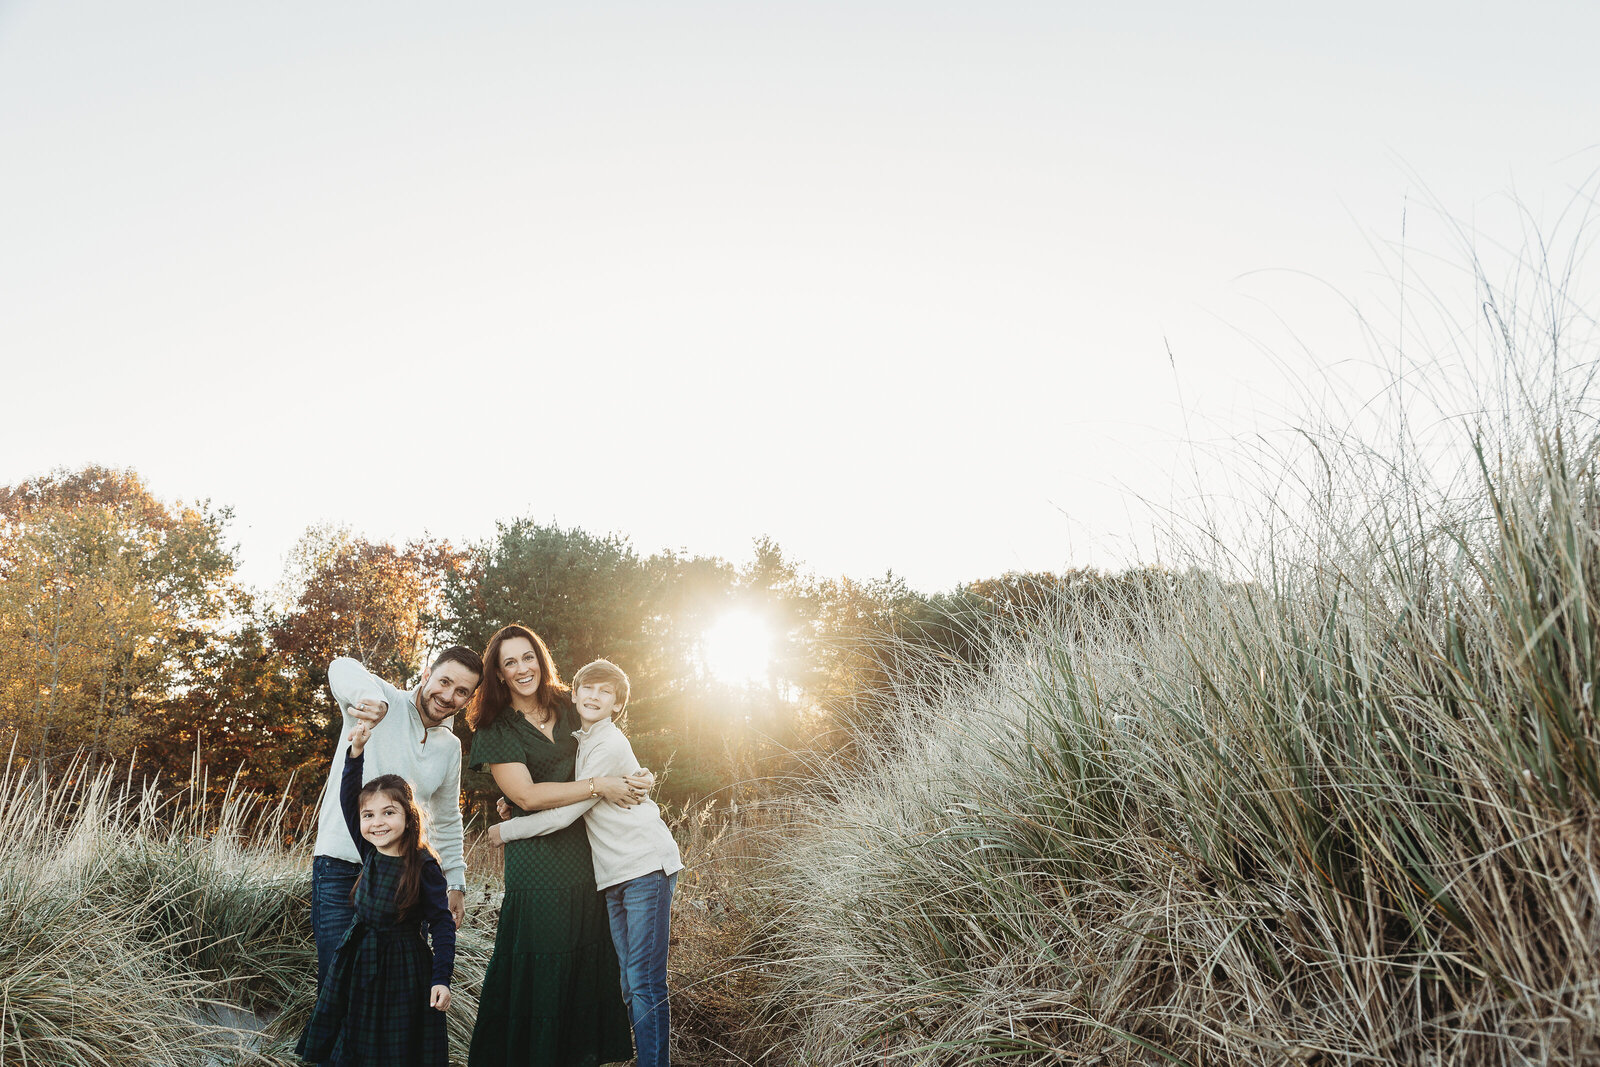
738 649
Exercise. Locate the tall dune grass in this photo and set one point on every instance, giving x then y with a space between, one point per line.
1337 807
139 932
123 929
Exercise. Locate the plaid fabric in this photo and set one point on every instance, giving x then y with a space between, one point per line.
373 1009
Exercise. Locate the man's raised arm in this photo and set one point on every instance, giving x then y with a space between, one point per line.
357 691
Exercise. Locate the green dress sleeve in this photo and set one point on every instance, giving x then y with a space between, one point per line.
496 744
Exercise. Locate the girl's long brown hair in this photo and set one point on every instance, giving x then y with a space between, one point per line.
413 842
493 695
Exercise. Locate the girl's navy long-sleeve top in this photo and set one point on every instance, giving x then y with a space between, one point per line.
433 900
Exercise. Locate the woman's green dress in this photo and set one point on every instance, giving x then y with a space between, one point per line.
552 995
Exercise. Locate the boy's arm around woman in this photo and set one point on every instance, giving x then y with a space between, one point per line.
598 756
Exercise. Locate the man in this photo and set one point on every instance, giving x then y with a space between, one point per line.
411 737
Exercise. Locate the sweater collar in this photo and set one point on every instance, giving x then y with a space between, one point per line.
596 728
416 712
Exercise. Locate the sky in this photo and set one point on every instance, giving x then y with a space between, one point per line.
943 289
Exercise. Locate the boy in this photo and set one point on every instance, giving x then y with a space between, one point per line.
636 861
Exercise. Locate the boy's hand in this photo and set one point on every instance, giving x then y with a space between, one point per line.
359 737
439 997
494 837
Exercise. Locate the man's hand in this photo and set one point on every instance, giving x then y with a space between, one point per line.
358 738
458 912
439 997
494 837
370 712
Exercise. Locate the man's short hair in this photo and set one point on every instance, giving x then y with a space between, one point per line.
463 655
603 670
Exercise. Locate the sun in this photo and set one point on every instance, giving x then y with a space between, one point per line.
738 649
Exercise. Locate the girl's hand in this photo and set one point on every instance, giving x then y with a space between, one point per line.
643 780
502 808
439 997
618 791
358 738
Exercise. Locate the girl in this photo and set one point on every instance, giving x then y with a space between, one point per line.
380 1004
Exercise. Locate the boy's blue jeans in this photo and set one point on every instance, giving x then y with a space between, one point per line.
640 910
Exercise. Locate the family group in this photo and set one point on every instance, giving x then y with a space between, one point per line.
580 952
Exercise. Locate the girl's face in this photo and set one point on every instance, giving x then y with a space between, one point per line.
519 666
383 822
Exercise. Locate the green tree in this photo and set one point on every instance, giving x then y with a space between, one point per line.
587 596
593 596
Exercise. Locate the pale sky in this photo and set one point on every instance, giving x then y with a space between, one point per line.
892 283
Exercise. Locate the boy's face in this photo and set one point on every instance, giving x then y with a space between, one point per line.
596 701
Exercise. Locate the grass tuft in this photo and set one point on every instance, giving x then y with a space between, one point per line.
1334 800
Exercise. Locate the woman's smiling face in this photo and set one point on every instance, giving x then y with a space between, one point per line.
519 666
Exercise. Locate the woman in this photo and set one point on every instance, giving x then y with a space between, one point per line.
552 994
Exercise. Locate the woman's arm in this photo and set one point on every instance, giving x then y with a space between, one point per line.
519 787
550 820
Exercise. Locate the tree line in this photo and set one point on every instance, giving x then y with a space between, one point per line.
125 636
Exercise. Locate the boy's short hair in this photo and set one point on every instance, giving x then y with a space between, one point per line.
603 670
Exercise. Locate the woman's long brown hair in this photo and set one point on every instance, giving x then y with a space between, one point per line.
494 696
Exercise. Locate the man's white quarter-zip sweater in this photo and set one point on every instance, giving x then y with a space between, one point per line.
428 757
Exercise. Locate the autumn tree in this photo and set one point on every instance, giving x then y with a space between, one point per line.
107 596
370 600
245 723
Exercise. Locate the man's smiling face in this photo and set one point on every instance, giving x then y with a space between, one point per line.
444 691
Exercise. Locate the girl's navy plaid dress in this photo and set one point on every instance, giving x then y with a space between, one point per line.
373 1007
